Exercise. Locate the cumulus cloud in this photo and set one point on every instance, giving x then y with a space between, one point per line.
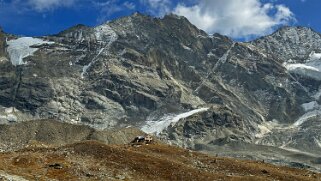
236 18
45 5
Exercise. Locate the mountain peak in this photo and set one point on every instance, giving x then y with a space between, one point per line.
290 42
138 14
135 16
175 16
141 25
75 28
291 30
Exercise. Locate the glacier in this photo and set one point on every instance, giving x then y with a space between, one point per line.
20 48
307 116
309 68
158 126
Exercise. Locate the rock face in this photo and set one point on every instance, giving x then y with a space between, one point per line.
139 69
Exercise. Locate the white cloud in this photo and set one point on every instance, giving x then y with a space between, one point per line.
129 5
158 7
283 14
236 18
44 5
109 7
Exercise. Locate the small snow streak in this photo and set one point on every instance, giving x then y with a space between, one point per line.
219 62
317 142
85 68
223 59
102 32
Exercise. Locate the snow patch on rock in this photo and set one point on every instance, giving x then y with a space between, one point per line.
314 56
317 95
210 54
20 48
3 59
310 106
317 142
186 47
312 110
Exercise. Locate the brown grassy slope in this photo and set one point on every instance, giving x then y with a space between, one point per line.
52 132
96 161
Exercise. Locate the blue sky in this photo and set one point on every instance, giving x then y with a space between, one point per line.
239 19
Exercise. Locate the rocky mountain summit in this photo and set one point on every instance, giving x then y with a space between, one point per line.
257 99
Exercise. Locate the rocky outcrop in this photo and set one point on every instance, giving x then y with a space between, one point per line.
2 43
